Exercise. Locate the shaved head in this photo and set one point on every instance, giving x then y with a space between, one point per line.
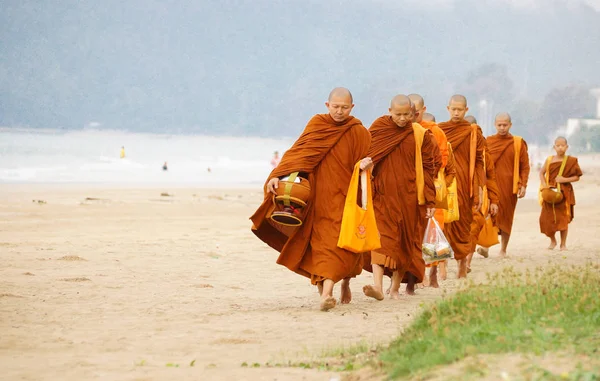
457 98
503 116
428 117
401 100
417 100
471 119
340 104
503 123
419 106
457 107
402 111
340 92
560 139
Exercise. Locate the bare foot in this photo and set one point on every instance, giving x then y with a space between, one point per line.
552 244
327 303
443 266
426 282
563 248
346 295
434 282
395 295
410 289
462 268
373 292
483 251
502 254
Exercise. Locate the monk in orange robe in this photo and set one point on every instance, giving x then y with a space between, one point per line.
428 117
445 170
479 215
512 173
404 196
326 153
468 145
557 218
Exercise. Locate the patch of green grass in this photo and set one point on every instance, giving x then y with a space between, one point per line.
533 312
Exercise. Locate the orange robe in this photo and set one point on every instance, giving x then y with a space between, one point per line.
400 218
493 196
327 151
564 211
502 149
440 138
459 134
442 144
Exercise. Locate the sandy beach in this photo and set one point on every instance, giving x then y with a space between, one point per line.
107 283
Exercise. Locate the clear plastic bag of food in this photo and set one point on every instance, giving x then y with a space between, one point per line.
435 245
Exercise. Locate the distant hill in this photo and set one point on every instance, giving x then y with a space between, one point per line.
257 67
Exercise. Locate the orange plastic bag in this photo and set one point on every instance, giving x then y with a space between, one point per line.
488 236
359 233
452 214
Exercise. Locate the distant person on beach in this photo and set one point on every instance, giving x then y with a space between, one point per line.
122 152
165 167
327 151
275 160
564 170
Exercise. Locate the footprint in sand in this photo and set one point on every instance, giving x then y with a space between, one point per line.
71 258
10 296
75 279
206 285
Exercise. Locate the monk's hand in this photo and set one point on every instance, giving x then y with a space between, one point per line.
430 212
560 179
521 193
493 209
366 163
272 185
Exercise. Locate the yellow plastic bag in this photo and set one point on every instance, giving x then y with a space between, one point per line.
452 214
359 233
441 192
488 236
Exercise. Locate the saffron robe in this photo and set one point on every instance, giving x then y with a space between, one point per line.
557 218
400 195
327 151
469 176
502 149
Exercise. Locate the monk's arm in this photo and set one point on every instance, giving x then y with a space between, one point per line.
572 179
427 151
524 167
543 176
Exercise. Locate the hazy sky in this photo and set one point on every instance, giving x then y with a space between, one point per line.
264 67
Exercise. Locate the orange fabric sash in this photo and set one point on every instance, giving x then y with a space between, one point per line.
472 158
419 132
516 174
